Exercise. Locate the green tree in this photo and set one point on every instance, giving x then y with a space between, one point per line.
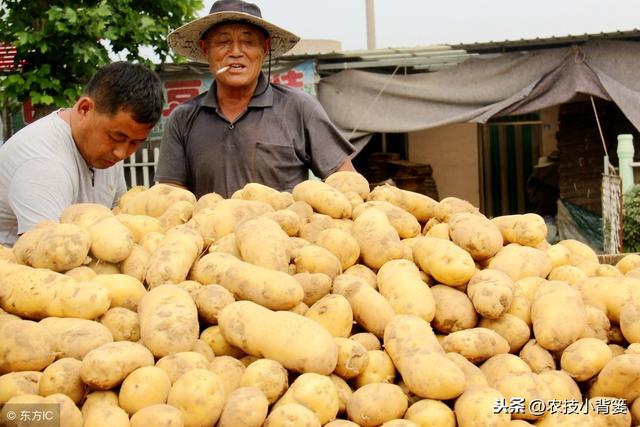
61 43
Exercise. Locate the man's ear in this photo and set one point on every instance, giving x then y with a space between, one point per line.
204 46
267 46
84 105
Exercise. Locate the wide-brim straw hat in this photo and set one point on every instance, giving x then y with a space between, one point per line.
184 40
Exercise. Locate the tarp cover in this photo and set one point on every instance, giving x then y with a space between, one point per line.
478 89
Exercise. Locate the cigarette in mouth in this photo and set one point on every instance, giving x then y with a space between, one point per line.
222 70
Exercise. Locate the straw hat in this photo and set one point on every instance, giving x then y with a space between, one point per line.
184 40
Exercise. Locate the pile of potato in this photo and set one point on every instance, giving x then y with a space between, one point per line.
332 305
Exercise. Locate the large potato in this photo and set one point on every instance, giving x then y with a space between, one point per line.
172 260
298 343
399 282
139 225
144 387
526 230
316 259
26 346
200 396
582 256
273 289
125 290
444 261
262 242
475 408
511 328
454 310
245 407
177 364
341 244
315 392
76 337
405 224
268 376
521 262
334 313
107 366
349 181
155 201
379 242
418 205
476 344
123 324
63 376
168 320
374 404
261 193
379 369
323 198
18 383
475 234
585 358
491 292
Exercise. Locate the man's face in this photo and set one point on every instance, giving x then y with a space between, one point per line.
242 47
104 140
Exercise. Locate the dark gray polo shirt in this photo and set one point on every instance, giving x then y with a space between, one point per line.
284 133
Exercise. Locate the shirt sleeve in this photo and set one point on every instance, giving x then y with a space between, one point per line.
39 190
326 146
172 164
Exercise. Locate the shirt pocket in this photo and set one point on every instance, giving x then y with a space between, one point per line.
277 166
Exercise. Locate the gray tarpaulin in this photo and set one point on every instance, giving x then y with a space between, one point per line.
481 88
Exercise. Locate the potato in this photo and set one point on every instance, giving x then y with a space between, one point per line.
502 365
559 255
63 376
98 399
371 310
606 270
156 200
449 206
168 320
585 358
206 201
177 364
474 377
144 387
405 224
76 337
316 223
176 214
562 386
630 321
210 299
151 241
57 247
476 344
172 260
598 325
399 423
262 242
418 205
139 225
619 378
368 340
428 412
610 294
229 371
227 244
537 357
474 233
375 404
365 273
352 358
416 353
438 231
315 392
18 383
526 230
511 328
261 193
245 407
347 181
379 242
26 346
158 415
36 293
454 310
524 291
334 313
220 346
315 286
475 408
491 292
302 209
125 291
70 415
203 349
567 273
112 416
123 324
292 415
341 244
298 343
111 240
341 423
268 376
137 263
344 392
200 396
558 315
6 254
379 369
316 259
628 262
108 365
323 198
582 256
288 221
81 274
521 261
527 386
444 260
399 282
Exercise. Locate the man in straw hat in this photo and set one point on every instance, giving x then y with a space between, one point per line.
244 129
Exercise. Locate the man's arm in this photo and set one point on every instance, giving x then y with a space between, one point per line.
172 164
40 190
346 166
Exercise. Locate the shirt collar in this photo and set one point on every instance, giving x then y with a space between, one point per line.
262 97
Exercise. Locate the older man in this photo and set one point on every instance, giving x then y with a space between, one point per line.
245 129
73 155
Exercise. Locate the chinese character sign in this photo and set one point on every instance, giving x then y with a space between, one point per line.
301 76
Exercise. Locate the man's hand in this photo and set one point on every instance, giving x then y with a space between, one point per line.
346 166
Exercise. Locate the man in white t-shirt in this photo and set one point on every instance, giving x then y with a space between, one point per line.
74 155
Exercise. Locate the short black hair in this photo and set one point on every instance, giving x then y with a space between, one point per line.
127 86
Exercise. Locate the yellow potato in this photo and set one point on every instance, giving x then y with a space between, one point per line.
341 244
491 292
399 282
379 369
290 415
144 387
158 415
349 181
18 383
444 261
454 310
123 324
262 242
418 205
245 407
374 404
379 242
475 408
333 312
353 358
526 230
315 392
476 344
315 286
63 376
172 260
108 365
268 376
177 364
323 198
200 396
475 234
26 346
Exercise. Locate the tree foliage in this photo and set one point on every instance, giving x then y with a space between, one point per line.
631 220
61 43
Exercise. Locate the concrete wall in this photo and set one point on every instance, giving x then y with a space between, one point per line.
452 152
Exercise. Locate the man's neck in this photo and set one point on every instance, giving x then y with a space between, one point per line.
234 101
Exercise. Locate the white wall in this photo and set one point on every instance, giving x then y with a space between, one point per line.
452 152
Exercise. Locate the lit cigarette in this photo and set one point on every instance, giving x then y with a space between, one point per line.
222 70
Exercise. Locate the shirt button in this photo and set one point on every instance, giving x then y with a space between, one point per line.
231 126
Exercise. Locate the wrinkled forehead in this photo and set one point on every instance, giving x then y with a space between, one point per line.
235 27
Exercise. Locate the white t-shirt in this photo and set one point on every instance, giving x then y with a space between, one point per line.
42 172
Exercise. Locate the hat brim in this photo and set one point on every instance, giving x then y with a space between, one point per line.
184 40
